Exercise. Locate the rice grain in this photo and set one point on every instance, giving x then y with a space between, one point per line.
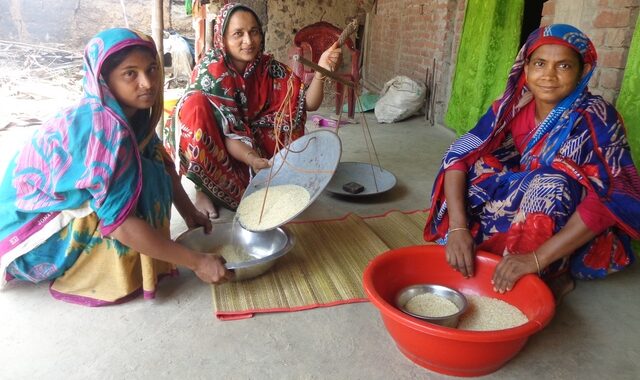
431 305
233 253
282 203
486 313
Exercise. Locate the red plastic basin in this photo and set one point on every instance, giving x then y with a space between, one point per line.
443 349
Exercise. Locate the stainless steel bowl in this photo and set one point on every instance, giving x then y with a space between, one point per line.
452 295
264 247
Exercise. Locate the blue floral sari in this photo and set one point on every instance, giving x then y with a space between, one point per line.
517 201
76 180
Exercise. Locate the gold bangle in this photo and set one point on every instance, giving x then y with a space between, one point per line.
322 77
535 257
457 229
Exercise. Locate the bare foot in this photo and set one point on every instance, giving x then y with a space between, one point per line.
205 205
561 286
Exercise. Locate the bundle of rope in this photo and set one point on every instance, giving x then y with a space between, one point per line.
287 108
348 31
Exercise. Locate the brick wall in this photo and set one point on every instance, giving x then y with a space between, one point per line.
610 25
404 38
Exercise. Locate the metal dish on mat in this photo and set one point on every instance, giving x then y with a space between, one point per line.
309 162
372 178
264 247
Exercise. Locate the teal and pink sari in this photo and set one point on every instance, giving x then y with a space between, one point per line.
76 180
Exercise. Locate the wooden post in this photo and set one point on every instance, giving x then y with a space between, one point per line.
200 15
208 44
157 26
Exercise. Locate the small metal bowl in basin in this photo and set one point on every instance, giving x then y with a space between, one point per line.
264 247
457 298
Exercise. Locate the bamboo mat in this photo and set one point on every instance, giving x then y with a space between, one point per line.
324 268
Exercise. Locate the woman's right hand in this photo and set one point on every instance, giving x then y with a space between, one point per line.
331 58
211 269
460 251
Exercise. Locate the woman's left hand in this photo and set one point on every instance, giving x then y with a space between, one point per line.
197 219
258 163
331 58
510 269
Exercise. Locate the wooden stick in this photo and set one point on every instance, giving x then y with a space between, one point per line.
322 70
427 102
434 90
32 46
349 30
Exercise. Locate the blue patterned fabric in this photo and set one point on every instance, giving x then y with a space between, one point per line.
580 146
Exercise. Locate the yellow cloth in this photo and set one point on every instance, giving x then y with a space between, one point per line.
101 275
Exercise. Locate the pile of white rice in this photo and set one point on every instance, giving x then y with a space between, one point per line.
430 305
486 313
233 253
281 204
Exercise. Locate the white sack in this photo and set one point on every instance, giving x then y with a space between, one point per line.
401 98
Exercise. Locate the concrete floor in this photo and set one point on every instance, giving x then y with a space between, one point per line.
595 333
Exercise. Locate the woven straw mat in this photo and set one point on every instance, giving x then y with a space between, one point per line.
324 268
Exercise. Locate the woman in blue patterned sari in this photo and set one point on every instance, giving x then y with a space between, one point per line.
86 203
545 179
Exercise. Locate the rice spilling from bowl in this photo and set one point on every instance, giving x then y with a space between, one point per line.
282 203
431 305
487 313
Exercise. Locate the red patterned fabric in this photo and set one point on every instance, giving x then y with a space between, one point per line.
223 103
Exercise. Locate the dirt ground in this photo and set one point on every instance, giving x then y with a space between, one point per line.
35 82
41 57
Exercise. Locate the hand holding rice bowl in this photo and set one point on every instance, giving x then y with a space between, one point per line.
264 248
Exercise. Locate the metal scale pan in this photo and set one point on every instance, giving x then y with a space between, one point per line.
361 173
371 179
310 163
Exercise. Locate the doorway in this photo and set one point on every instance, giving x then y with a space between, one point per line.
531 18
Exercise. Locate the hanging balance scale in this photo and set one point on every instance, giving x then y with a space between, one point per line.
355 179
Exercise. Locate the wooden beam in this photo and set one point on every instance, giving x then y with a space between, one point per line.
322 70
157 28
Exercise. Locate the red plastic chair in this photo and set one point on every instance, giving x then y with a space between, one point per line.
314 39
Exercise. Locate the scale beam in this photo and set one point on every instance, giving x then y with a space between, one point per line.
322 70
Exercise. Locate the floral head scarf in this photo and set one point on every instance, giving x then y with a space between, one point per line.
561 118
222 22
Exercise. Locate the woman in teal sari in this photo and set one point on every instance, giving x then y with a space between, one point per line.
86 204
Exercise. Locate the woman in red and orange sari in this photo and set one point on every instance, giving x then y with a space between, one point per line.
229 121
545 179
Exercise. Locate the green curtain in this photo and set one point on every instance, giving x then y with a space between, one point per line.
628 103
489 44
